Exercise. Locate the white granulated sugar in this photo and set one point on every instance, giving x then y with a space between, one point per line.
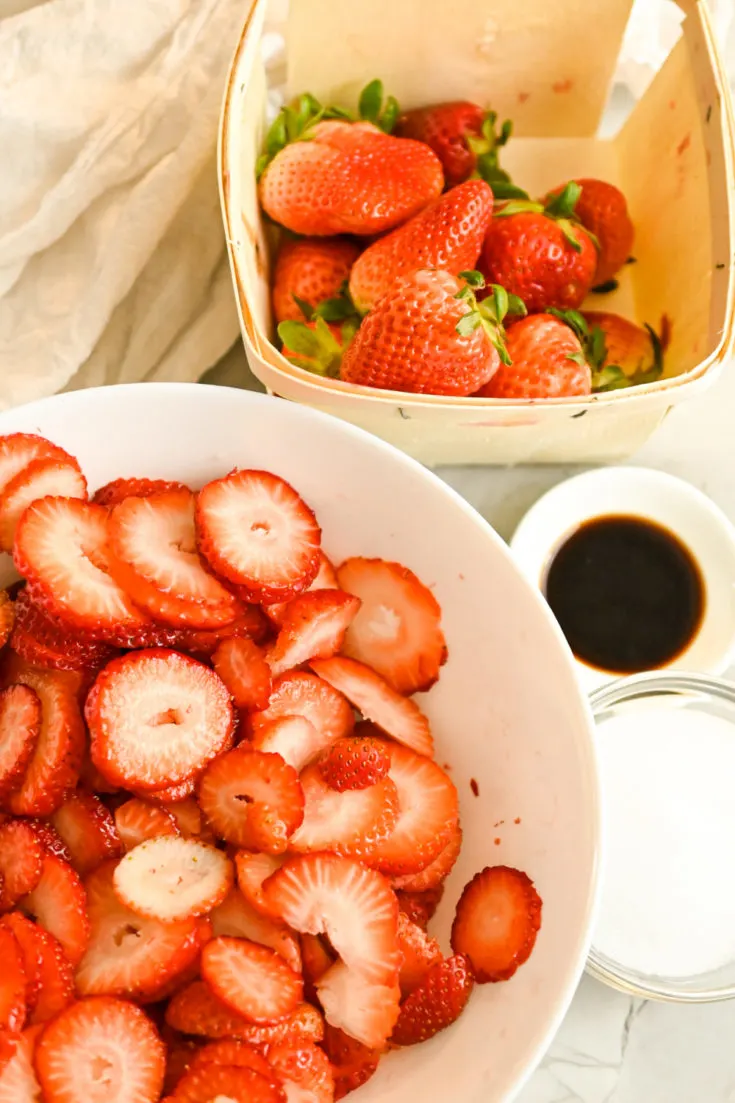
668 901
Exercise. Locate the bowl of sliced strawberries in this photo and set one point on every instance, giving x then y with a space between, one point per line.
298 794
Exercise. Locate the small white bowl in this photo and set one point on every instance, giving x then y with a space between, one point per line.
654 496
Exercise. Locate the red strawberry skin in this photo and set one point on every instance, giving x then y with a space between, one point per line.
498 917
627 345
540 347
355 763
409 341
349 178
448 235
436 1003
445 127
310 269
602 209
528 254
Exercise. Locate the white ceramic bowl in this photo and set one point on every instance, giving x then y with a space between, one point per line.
507 710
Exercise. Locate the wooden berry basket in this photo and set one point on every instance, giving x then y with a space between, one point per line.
674 159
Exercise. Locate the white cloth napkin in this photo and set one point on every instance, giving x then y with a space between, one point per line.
112 259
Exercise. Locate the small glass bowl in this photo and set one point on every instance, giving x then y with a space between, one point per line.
703 694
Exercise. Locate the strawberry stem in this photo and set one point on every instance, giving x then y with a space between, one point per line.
314 347
372 109
608 377
489 313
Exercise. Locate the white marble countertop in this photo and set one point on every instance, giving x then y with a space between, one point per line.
611 1048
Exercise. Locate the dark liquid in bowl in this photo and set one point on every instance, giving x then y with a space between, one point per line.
627 593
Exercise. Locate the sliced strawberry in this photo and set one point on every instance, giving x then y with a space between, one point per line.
303 1024
154 558
170 878
189 820
18 450
156 717
232 1051
365 1009
355 763
92 781
89 831
229 1084
7 617
30 939
236 918
252 799
18 1083
242 667
42 478
129 955
12 983
433 875
255 530
137 820
313 627
302 694
419 952
180 1055
304 1071
352 1063
428 811
252 871
171 794
20 724
119 489
59 904
436 1002
420 907
49 839
54 767
196 1010
44 642
325 579
250 979
339 897
317 956
97 1034
354 822
250 623
497 920
398 629
48 972
59 550
294 738
21 862
371 695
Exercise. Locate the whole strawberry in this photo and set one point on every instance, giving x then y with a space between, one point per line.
541 253
617 345
602 209
547 361
310 271
462 136
427 335
448 234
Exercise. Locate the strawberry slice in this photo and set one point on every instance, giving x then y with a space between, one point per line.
231 1051
250 623
420 907
355 763
88 830
317 956
137 820
242 667
154 558
18 1083
304 1071
236 918
398 629
18 450
189 819
498 917
171 794
250 979
428 812
7 616
339 897
44 642
42 478
196 1010
353 822
302 694
255 530
436 1002
101 1050
229 1084
365 1009
371 695
305 1024
252 871
325 579
21 862
294 738
129 955
433 875
252 799
59 904
54 766
352 1063
155 718
419 952
313 627
20 724
49 839
12 983
119 489
60 550
170 878
49 975
180 1055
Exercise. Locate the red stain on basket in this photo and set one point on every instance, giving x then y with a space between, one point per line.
672 104
523 96
684 144
517 819
499 823
497 842
708 156
563 85
664 331
474 787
